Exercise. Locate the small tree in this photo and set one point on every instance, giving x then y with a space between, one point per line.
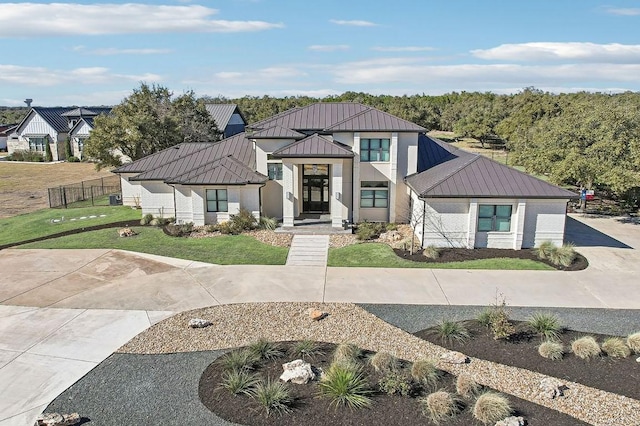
67 149
48 156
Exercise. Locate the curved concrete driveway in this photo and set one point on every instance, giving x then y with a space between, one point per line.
64 311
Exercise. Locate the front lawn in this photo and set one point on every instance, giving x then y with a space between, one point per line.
378 255
52 221
223 250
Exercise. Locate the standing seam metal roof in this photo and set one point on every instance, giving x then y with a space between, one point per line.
226 170
318 116
221 114
314 146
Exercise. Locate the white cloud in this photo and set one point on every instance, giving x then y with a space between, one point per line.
583 52
328 47
111 51
354 23
40 76
262 76
403 49
623 11
34 19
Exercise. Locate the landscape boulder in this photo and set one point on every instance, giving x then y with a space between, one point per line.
511 421
453 357
552 388
199 323
298 371
391 236
57 419
126 232
317 314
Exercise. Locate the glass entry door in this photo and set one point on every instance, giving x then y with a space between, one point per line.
315 188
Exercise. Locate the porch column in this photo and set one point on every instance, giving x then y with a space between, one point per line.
519 225
393 174
355 208
337 205
287 194
473 223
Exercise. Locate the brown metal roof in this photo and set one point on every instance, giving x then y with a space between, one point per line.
221 114
460 174
223 171
318 116
277 132
161 158
314 146
375 120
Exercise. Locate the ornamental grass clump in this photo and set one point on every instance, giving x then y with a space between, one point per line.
306 349
268 223
384 362
345 385
239 382
274 397
545 249
551 350
545 325
265 350
586 347
491 407
347 353
615 347
239 360
563 255
633 342
451 332
466 386
424 371
440 406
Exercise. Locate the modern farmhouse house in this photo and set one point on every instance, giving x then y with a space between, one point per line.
353 163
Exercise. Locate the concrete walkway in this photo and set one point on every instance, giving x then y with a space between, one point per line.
64 311
308 250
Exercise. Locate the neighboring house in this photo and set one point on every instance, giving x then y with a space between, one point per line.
352 163
79 134
228 118
45 125
5 131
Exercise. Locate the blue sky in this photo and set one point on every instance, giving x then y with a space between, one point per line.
96 52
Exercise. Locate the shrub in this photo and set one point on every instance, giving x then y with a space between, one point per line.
551 350
265 350
268 223
211 228
466 386
239 360
485 317
345 385
451 331
440 406
563 255
244 220
546 325
274 397
491 407
346 353
614 347
67 149
146 219
306 348
544 250
425 372
500 324
228 227
585 347
239 382
25 155
73 159
175 230
633 341
369 230
48 155
394 382
383 362
391 226
431 252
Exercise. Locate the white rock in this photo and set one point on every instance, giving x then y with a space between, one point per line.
199 323
453 357
638 359
298 372
57 419
552 388
511 421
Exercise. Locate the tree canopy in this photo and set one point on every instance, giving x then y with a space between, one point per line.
148 121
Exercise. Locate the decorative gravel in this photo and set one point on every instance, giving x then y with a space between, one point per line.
262 235
241 324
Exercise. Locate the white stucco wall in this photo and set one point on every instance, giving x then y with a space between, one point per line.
446 222
157 199
544 221
184 204
242 196
131 190
272 199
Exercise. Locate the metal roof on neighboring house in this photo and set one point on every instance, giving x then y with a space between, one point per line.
460 174
276 132
78 125
223 171
58 117
221 114
314 146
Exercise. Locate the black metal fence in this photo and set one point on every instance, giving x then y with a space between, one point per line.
96 192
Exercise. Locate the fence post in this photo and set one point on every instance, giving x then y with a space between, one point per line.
83 196
64 196
92 196
102 183
49 194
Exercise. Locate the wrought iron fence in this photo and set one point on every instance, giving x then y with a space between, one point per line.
94 192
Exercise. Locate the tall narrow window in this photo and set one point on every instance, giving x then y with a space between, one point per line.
274 171
217 200
374 194
374 150
494 218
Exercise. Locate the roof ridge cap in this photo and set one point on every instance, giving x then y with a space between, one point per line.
351 117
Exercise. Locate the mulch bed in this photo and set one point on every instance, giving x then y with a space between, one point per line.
617 375
462 254
310 409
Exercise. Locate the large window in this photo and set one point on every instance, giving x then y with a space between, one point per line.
81 144
217 200
374 194
494 218
274 171
374 150
37 143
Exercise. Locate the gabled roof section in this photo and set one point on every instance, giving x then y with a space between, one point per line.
161 158
80 123
57 117
237 146
314 146
79 112
376 120
465 175
318 116
223 171
277 132
221 114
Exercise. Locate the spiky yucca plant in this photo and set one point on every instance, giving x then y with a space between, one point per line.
451 331
273 396
345 385
546 325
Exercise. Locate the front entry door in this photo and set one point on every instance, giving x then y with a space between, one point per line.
315 188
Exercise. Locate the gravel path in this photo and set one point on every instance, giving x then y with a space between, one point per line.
179 352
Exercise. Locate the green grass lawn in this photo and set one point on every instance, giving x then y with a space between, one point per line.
377 255
41 223
224 250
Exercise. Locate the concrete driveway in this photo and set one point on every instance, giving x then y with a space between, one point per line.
63 311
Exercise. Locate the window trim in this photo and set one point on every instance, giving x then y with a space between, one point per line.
378 151
34 143
375 187
217 200
495 218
